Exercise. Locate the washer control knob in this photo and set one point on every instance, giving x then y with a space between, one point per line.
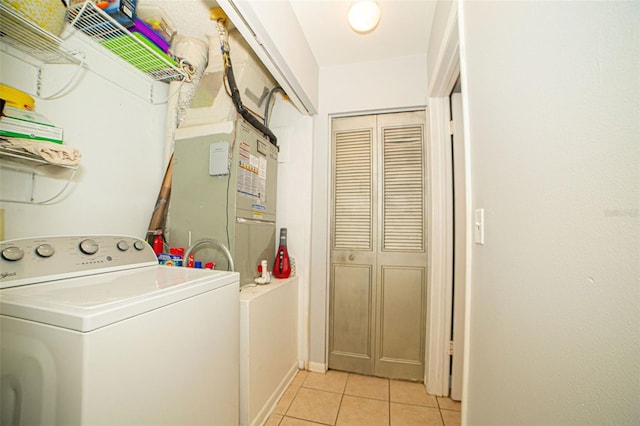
88 246
45 250
139 245
12 253
123 245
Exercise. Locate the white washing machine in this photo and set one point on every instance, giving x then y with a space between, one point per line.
94 332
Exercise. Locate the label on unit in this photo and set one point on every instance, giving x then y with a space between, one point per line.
219 159
252 176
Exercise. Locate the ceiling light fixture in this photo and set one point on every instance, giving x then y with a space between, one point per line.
364 15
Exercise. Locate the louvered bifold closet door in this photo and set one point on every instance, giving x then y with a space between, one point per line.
401 297
378 261
403 189
352 281
353 211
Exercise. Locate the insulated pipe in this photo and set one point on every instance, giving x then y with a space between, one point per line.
268 103
220 17
237 101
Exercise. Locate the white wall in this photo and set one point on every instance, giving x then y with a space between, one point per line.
293 207
395 83
552 102
120 137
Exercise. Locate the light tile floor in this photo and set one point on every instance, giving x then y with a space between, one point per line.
339 398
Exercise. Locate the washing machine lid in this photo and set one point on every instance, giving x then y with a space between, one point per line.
88 303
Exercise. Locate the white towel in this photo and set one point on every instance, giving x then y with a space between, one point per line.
53 153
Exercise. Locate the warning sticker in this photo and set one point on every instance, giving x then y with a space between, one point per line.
252 177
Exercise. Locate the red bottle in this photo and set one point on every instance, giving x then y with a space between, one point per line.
157 244
281 267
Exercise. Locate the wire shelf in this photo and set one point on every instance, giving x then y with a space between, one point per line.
27 37
28 158
101 28
33 166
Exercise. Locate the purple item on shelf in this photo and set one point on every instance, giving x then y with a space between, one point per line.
141 27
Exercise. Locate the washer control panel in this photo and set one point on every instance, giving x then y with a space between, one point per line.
34 260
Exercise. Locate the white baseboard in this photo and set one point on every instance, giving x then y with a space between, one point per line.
317 367
272 402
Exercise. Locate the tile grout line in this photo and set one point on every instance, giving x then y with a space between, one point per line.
440 410
292 399
284 415
343 393
341 399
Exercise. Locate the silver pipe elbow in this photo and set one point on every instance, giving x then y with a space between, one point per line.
214 242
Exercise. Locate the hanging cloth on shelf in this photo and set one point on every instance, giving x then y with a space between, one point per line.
54 153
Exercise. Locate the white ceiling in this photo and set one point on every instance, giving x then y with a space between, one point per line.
403 30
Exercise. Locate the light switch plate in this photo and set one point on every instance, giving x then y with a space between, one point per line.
478 226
